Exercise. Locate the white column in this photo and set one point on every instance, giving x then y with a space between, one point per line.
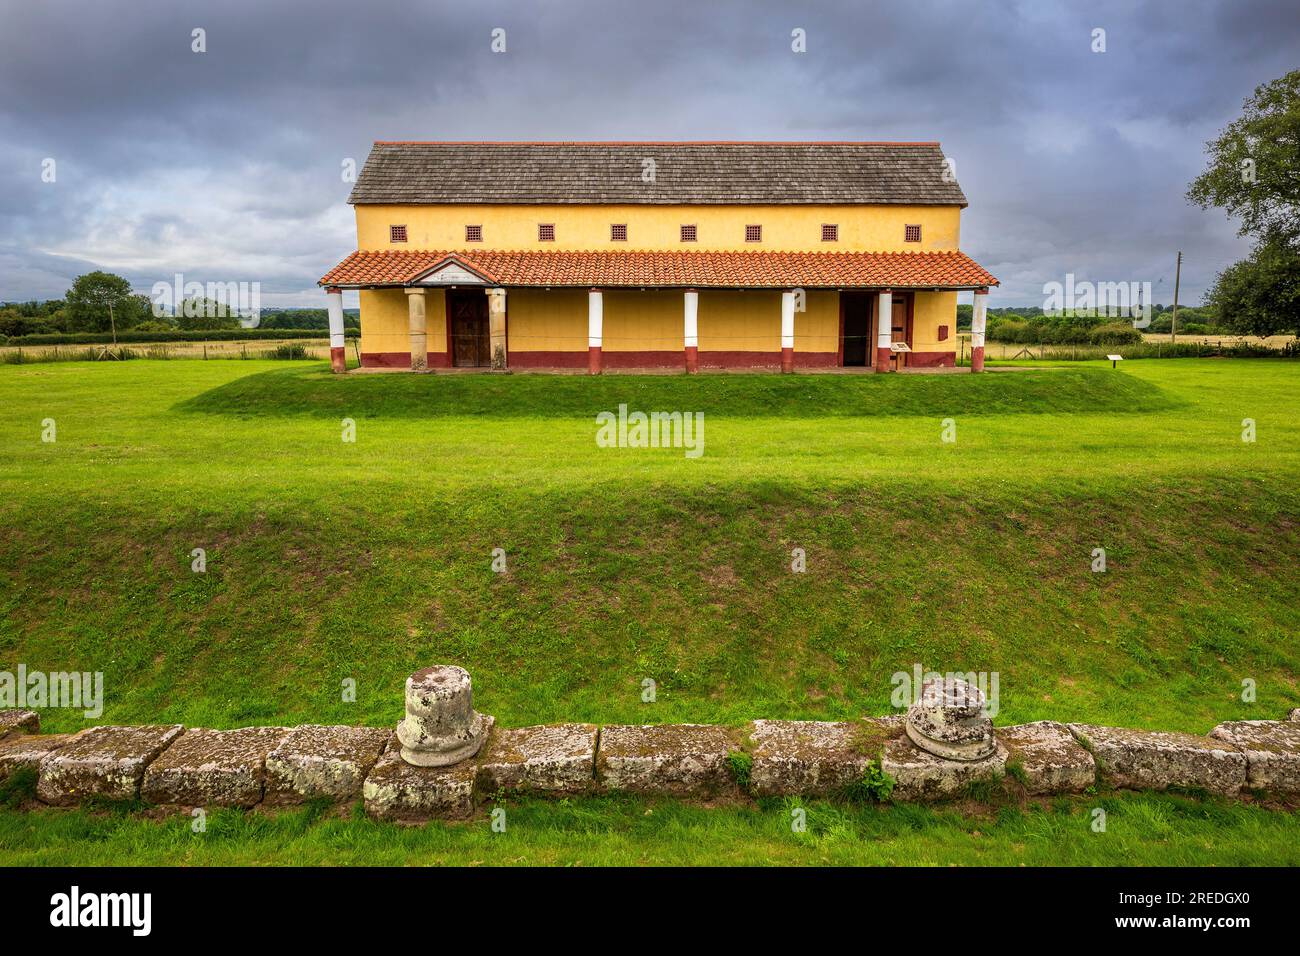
691 318
691 328
595 329
884 329
787 331
978 318
497 327
417 329
334 306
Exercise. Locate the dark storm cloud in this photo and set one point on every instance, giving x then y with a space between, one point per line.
226 165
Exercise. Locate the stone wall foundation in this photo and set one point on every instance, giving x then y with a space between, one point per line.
167 766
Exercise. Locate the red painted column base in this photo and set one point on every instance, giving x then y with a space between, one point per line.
593 359
338 359
977 359
787 360
692 359
882 360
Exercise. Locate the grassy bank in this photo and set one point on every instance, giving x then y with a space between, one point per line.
330 561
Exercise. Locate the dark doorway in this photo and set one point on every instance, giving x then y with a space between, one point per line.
470 343
856 307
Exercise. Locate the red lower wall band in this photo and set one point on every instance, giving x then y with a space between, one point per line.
595 359
402 360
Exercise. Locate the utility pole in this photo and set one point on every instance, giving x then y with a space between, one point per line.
112 324
1173 324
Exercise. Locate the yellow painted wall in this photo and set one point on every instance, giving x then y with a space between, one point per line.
586 227
556 320
385 322
740 320
636 321
817 329
929 311
542 321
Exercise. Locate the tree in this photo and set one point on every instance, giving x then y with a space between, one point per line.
1261 294
199 313
92 296
1254 171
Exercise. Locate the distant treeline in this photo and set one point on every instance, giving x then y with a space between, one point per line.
1028 324
136 335
51 317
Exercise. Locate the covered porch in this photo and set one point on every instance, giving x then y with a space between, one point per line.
449 311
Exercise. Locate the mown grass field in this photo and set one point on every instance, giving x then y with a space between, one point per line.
329 560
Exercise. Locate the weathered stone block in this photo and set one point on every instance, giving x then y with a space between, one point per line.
104 762
671 759
1294 715
1051 759
28 750
1272 749
552 759
1156 760
322 762
19 722
397 790
811 757
212 768
919 775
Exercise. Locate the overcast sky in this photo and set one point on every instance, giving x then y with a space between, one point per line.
226 165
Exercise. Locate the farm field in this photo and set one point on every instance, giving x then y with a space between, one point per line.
1160 340
216 349
330 560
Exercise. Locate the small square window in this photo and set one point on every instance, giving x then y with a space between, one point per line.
830 232
396 233
911 233
618 232
688 233
753 233
473 233
546 232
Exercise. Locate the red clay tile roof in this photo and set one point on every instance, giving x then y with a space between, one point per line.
785 270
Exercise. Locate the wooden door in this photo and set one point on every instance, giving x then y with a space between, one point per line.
470 341
900 321
856 307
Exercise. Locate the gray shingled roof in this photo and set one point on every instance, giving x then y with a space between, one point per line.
531 173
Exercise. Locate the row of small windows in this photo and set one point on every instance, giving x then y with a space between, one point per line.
618 233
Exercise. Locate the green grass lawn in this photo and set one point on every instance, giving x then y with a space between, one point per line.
1147 830
330 560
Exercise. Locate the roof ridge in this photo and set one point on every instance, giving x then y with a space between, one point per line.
472 253
651 142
